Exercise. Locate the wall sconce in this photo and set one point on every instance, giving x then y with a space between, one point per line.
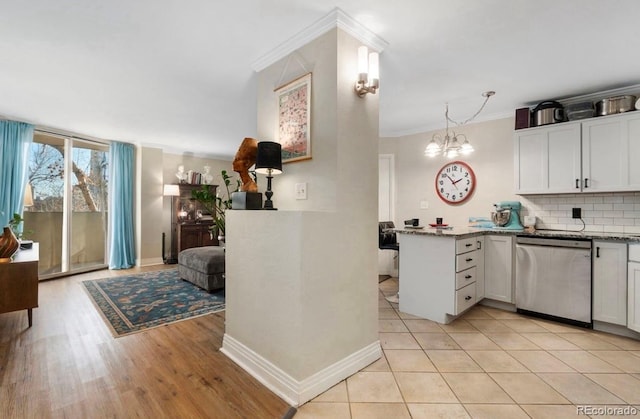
269 162
368 72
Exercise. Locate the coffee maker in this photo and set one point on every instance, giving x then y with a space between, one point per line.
507 215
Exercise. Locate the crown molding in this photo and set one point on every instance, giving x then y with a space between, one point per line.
334 19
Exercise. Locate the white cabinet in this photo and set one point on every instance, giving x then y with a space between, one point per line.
610 152
547 159
610 282
480 268
594 155
438 275
498 267
633 288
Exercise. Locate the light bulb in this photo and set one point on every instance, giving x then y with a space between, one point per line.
363 53
466 148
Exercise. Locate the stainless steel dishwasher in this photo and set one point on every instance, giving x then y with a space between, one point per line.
553 279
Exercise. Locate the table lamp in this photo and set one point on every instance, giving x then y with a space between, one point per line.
269 162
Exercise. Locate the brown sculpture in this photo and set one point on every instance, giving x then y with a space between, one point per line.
245 158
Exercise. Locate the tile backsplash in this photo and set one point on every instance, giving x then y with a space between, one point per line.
603 212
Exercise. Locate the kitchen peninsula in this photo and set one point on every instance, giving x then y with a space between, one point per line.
443 272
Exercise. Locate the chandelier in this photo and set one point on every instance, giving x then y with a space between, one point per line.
452 145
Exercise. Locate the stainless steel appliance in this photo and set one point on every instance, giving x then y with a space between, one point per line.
548 112
617 104
553 279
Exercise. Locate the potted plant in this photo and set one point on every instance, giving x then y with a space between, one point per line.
215 205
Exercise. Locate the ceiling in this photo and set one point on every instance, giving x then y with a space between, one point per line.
178 74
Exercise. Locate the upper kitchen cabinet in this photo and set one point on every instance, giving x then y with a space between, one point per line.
594 155
547 159
610 146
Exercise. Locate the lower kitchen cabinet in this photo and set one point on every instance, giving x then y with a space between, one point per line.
480 268
438 275
610 282
498 267
633 288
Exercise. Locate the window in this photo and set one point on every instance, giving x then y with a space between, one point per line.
69 181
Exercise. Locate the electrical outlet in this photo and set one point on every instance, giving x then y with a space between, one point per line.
576 213
424 204
301 190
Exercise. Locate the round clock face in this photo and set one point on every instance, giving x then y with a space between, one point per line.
455 182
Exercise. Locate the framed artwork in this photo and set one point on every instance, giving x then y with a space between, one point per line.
294 119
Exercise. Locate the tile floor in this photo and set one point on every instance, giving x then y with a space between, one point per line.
487 364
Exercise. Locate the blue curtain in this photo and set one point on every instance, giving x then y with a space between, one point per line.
15 138
121 229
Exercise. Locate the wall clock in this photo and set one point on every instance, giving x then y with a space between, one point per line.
455 182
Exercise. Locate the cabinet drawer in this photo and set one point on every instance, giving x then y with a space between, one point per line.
466 245
466 260
465 277
465 298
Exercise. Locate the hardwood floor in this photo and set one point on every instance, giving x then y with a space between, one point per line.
69 365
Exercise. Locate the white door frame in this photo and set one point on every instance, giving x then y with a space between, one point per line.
387 260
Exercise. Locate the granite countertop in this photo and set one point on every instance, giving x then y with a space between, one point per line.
463 232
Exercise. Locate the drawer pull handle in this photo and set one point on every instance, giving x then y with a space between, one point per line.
479 246
467 298
469 259
468 245
577 183
467 276
586 182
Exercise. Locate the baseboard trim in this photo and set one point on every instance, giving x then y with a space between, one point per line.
293 391
149 261
498 304
615 329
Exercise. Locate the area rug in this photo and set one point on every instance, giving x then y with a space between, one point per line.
134 303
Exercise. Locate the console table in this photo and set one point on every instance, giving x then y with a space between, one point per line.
19 282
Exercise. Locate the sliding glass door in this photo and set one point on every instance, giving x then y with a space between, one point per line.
68 177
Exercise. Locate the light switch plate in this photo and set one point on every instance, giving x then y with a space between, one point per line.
424 204
301 190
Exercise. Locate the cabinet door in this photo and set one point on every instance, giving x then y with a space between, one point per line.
498 268
610 282
633 310
207 239
547 159
480 268
610 152
188 236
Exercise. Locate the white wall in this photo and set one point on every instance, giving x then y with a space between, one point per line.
302 287
492 163
149 206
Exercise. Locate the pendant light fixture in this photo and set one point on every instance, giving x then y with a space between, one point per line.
452 145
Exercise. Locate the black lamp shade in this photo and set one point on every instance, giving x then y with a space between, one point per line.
269 156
